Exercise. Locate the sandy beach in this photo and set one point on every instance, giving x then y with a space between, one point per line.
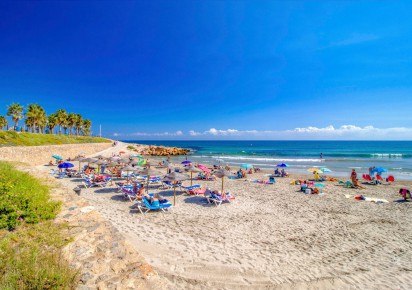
270 236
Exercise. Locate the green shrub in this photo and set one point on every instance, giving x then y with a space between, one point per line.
23 198
130 147
11 138
31 258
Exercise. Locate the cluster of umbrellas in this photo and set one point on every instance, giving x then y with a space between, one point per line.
135 159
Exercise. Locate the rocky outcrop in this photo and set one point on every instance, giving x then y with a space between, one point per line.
164 151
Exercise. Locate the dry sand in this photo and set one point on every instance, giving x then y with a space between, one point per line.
270 236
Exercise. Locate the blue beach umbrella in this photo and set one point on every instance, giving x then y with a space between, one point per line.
58 157
324 169
379 170
246 165
282 165
186 162
65 165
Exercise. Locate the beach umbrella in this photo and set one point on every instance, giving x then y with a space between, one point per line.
135 155
222 173
111 164
65 165
99 163
89 160
100 157
58 157
379 170
192 169
246 165
122 152
78 158
204 168
324 169
282 165
124 160
315 170
114 158
186 162
149 172
175 176
129 169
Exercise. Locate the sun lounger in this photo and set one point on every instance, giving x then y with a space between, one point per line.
87 183
155 205
189 188
128 194
197 191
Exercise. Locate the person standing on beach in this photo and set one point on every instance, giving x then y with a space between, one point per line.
321 156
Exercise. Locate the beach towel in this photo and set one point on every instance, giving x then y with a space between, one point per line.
365 198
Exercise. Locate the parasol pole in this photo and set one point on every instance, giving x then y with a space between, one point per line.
147 187
174 195
191 178
222 184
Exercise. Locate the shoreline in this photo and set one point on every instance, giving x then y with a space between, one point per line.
298 165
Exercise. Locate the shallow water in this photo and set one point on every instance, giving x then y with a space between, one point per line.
338 156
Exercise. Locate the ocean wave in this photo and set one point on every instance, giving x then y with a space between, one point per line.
387 155
265 159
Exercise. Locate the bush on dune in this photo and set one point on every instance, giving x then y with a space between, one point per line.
23 198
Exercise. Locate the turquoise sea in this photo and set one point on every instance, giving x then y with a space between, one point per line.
339 156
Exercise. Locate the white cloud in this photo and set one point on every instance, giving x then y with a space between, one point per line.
194 133
344 132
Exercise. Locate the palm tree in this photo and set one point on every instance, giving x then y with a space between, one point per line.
87 124
3 122
52 122
42 120
61 119
16 112
79 123
35 117
71 121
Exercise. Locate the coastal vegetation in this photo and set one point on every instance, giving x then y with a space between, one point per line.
11 138
36 120
30 243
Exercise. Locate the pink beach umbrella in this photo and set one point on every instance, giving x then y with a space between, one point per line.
204 168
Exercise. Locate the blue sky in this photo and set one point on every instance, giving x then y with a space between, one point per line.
214 69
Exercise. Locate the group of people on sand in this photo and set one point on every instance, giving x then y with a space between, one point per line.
280 173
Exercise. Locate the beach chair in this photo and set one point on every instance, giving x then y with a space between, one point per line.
197 191
87 183
156 205
128 194
189 188
61 175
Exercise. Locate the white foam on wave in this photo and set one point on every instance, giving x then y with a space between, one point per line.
391 155
265 159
